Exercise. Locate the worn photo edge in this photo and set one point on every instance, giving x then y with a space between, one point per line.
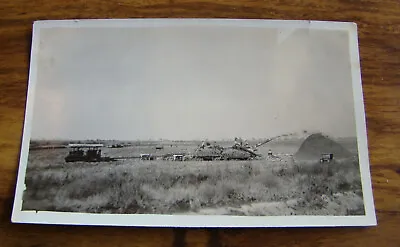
369 219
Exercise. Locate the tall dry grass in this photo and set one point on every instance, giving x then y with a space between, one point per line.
151 187
319 184
174 187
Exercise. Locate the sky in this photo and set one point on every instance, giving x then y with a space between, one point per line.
185 83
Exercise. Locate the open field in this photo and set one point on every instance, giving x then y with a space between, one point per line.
256 187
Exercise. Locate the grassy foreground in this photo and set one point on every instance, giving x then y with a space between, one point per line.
179 187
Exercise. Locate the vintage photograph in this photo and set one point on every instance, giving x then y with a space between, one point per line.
189 118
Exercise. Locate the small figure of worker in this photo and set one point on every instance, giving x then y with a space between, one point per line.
246 144
203 145
270 152
238 142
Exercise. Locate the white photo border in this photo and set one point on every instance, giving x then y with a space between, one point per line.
159 220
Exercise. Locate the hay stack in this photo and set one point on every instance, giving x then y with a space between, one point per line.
315 145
